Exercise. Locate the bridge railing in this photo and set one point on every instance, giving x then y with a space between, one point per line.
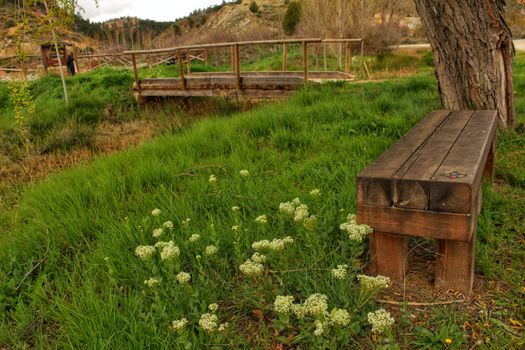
180 52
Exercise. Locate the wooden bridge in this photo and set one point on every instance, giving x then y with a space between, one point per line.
260 84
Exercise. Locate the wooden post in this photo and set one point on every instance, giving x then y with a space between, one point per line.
363 57
488 171
347 57
181 70
188 61
285 58
76 63
324 56
136 73
237 67
206 57
149 61
232 57
388 255
305 62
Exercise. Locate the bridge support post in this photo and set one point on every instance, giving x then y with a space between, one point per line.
305 62
181 70
285 53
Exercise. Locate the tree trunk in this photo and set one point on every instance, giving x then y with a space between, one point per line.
473 51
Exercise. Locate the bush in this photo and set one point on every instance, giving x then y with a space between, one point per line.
254 7
292 17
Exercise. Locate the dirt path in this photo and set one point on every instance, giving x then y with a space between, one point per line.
519 44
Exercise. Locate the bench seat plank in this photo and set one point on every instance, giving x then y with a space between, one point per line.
467 158
374 183
412 185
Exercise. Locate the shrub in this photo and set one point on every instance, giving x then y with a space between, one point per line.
254 7
292 17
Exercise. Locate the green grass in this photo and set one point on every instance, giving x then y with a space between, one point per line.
69 277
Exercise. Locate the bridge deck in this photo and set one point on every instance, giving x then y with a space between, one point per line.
252 84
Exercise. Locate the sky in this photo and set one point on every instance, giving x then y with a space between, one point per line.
159 10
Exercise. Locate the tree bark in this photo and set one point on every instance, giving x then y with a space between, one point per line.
473 52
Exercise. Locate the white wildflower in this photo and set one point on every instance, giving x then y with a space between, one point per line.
156 212
236 208
151 282
380 320
213 307
319 328
258 258
261 245
298 310
316 305
371 283
250 268
211 250
183 277
296 202
244 173
355 232
310 223
301 213
145 251
194 237
157 232
235 228
168 225
340 272
212 179
277 244
186 222
169 251
288 240
283 304
161 244
223 326
261 219
287 208
315 192
339 317
178 325
208 322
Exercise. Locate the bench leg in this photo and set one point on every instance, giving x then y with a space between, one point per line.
388 254
488 171
455 264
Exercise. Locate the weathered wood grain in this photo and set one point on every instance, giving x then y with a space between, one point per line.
467 158
412 181
374 184
388 255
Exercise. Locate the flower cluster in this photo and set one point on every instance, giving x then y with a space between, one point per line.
212 179
299 212
157 232
283 304
340 272
244 173
194 237
156 212
145 252
169 251
258 258
236 208
275 245
381 321
179 325
186 222
315 192
319 328
211 250
151 282
168 225
183 277
209 322
340 317
251 268
371 283
355 232
261 220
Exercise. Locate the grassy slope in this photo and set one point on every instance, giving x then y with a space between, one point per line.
68 224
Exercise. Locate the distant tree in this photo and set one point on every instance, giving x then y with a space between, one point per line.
254 7
292 17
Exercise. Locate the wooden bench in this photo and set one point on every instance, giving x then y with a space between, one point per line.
428 184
